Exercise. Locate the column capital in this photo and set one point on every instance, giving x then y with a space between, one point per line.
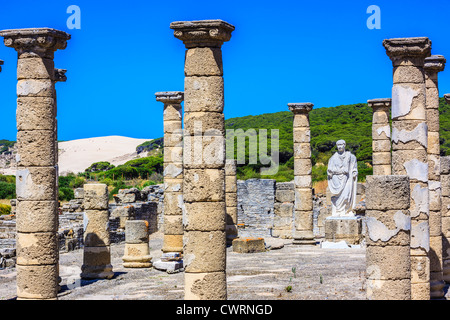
382 102
203 33
60 75
435 63
400 48
304 107
175 97
447 97
40 41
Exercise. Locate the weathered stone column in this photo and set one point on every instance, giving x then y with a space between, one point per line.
409 147
381 136
388 263
434 65
445 215
204 158
173 170
303 208
231 200
97 252
36 177
137 251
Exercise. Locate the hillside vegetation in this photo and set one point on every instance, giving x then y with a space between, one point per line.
349 122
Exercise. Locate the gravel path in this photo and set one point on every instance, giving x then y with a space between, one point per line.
311 272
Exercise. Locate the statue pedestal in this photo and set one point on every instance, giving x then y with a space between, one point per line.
348 229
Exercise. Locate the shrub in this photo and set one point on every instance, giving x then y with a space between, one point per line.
5 209
7 190
65 194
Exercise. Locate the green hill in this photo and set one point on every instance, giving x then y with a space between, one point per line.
353 123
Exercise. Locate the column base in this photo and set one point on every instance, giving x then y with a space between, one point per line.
304 238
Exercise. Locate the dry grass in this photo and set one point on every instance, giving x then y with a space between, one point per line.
320 187
5 201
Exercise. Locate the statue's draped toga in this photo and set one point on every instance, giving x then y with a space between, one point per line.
342 182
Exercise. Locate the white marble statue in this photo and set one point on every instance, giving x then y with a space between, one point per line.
342 181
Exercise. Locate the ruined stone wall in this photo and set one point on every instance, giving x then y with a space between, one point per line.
256 199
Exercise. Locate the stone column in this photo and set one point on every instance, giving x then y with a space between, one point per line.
173 170
97 252
231 200
445 216
204 158
409 147
137 251
36 183
434 65
381 136
303 208
388 263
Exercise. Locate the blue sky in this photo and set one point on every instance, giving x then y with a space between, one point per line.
281 51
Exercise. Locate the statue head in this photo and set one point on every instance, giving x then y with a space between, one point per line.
340 144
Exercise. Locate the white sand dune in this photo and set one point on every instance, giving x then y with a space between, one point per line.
77 155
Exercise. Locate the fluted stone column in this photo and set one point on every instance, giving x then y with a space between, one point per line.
381 136
303 208
445 216
231 200
97 251
434 65
173 170
204 158
36 177
137 251
409 147
388 263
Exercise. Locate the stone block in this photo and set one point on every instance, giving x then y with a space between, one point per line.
204 123
205 286
249 245
302 135
230 184
173 224
380 158
388 289
204 251
97 263
285 209
387 192
96 196
35 113
302 151
172 243
348 229
201 185
204 61
303 200
285 195
204 152
36 216
37 248
35 88
35 68
97 228
388 263
37 282
173 155
391 227
203 94
205 216
36 184
302 166
173 203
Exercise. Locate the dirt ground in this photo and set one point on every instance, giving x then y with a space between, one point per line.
290 273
